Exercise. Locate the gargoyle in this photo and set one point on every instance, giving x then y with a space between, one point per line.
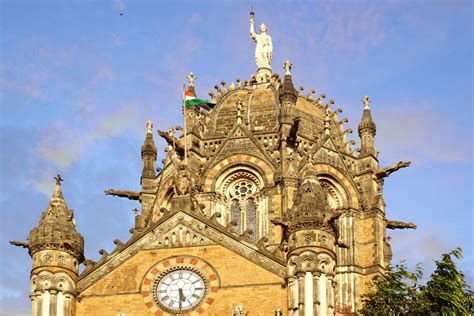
172 141
400 225
131 195
285 235
385 172
291 139
19 244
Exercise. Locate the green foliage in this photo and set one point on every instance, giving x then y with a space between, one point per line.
399 292
447 291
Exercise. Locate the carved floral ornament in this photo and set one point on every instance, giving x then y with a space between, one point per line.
47 280
310 261
181 284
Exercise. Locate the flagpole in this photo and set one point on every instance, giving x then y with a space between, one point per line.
184 114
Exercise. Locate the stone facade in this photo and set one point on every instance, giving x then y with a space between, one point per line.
260 199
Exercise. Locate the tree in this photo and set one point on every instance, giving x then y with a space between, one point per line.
398 291
447 291
395 293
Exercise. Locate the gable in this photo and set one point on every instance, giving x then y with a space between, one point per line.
240 140
179 232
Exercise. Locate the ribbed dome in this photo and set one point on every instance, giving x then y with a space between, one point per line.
261 106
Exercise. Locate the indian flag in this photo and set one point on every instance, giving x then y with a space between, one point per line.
190 101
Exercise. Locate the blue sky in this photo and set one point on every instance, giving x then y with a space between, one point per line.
78 82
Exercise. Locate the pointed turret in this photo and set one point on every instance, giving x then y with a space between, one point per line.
367 131
57 249
312 238
57 228
288 93
310 209
149 153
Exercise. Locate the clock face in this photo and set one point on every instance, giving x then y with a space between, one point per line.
180 290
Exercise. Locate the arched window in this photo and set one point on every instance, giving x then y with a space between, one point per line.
243 201
236 215
251 218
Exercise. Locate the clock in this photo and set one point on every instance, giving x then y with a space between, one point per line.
180 290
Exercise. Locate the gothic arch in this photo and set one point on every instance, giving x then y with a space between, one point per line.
339 184
263 168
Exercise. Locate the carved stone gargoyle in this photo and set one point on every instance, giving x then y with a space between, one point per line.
400 225
385 172
131 195
173 142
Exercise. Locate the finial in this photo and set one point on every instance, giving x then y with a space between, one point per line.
287 66
57 189
366 102
252 13
149 127
191 77
58 179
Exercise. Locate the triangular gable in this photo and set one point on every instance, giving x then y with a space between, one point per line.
326 152
196 230
241 135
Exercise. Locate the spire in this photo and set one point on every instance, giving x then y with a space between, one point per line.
149 152
57 228
367 130
287 89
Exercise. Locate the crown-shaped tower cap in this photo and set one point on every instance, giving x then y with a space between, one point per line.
57 228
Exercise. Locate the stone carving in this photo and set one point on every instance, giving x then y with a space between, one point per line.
191 77
264 48
385 172
400 225
287 66
366 102
182 180
131 195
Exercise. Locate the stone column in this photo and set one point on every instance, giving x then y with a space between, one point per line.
33 304
316 302
67 300
292 304
39 304
330 294
301 279
52 302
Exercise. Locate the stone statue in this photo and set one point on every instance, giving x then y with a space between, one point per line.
287 66
183 180
191 78
264 49
149 127
366 102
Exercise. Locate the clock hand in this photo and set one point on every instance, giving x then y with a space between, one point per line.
181 297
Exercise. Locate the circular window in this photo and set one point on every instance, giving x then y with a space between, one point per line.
243 189
180 290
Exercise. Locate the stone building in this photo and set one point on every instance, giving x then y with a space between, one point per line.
261 207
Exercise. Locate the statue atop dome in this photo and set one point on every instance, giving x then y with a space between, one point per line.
264 48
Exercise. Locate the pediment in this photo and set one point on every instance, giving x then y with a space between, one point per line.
181 229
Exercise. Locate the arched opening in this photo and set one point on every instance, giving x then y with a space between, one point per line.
243 201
